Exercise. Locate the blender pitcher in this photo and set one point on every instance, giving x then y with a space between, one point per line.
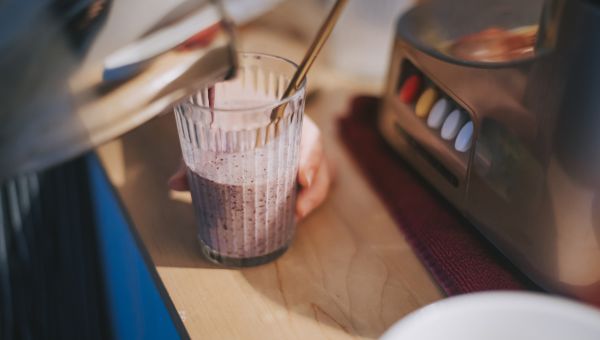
77 74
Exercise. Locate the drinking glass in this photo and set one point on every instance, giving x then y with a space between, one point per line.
241 163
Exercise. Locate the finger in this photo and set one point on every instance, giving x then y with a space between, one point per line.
311 197
178 181
311 153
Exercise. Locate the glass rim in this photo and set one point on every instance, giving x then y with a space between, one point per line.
263 107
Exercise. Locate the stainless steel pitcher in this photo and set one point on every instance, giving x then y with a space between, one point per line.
74 74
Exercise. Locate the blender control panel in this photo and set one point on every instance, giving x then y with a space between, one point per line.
429 127
439 112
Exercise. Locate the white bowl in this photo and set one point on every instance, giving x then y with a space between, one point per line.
500 315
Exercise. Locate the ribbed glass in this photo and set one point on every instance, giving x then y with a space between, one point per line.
242 167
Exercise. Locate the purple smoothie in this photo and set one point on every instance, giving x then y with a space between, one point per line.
243 221
245 201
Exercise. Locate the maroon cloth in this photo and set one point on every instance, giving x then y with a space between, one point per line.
457 255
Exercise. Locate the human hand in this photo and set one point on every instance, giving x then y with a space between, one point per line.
314 173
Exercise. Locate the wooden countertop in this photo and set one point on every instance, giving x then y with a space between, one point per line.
348 274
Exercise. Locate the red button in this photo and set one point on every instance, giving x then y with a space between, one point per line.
410 89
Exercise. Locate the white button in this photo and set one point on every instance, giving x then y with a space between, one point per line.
465 138
438 113
453 123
